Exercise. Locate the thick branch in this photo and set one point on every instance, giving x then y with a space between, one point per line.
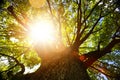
91 57
10 9
79 17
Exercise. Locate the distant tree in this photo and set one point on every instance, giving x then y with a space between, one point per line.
85 41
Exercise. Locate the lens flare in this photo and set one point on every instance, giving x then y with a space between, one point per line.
42 31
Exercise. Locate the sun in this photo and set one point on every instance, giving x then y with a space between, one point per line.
42 31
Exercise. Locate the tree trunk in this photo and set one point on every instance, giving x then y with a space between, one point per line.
65 66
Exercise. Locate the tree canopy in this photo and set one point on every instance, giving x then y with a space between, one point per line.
90 28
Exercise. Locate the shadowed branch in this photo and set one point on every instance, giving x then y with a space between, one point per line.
92 56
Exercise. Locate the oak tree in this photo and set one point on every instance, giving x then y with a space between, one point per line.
67 39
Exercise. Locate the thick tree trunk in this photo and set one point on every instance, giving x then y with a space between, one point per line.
65 66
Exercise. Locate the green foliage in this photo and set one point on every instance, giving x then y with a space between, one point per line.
13 42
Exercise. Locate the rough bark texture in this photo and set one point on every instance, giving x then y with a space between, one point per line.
62 67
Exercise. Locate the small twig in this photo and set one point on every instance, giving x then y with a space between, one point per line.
91 12
97 30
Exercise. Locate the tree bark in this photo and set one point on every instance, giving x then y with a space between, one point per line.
63 66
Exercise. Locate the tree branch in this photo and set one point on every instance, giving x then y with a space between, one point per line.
49 7
79 17
77 44
92 56
17 63
91 12
102 71
10 9
97 30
